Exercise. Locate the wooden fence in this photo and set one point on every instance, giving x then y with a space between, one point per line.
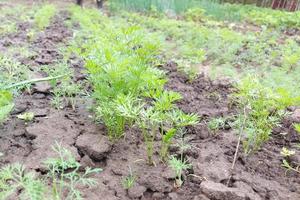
290 5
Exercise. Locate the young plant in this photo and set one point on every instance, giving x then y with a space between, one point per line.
178 120
166 142
63 172
65 90
129 180
6 104
216 124
263 109
297 128
149 122
178 165
286 163
14 178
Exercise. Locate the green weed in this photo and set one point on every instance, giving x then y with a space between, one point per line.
63 173
65 90
297 128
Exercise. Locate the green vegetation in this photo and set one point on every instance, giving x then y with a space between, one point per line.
124 80
216 124
178 165
123 55
297 128
6 104
44 15
201 10
65 90
287 163
15 177
63 171
129 180
263 109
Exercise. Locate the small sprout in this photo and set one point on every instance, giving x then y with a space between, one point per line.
27 117
286 152
216 124
289 167
129 180
166 142
6 104
297 128
178 165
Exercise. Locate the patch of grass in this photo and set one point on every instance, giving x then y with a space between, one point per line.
44 15
12 71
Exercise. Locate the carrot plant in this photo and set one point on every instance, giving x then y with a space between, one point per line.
63 172
263 107
128 91
15 177
178 121
63 178
149 123
179 165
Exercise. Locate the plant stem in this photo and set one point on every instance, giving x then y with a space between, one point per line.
237 147
33 81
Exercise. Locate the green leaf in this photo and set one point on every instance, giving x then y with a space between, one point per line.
169 135
6 104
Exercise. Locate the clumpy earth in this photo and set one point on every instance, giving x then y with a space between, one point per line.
258 176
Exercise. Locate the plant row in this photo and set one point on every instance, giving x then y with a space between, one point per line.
127 89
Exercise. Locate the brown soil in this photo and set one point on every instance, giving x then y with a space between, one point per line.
257 176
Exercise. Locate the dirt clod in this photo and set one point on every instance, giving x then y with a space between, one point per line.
95 146
136 192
